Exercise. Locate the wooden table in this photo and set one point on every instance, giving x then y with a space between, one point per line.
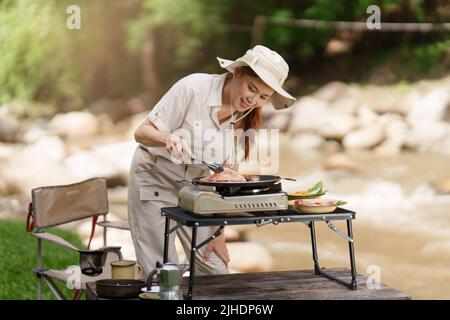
280 285
287 285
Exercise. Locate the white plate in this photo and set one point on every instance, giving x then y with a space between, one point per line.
316 205
154 289
317 209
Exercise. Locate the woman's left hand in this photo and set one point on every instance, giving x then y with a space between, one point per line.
219 247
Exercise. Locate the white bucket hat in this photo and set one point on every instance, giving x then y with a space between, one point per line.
270 67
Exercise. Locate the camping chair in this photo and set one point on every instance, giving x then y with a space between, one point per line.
57 205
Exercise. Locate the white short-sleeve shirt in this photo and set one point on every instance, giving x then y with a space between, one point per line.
190 110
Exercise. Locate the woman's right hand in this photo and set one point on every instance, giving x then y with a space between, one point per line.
178 148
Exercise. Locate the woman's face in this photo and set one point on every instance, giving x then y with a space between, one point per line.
248 92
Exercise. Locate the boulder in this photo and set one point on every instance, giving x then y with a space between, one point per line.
111 161
340 161
7 151
233 234
88 164
74 124
408 101
106 125
9 126
45 149
249 257
115 109
388 148
431 107
306 141
33 133
3 186
118 195
336 126
23 174
442 186
337 47
442 146
365 116
380 99
140 103
118 110
332 91
364 138
35 165
308 115
14 207
423 135
276 119
331 146
396 134
345 105
132 123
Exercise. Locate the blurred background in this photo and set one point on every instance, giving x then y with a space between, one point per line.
371 121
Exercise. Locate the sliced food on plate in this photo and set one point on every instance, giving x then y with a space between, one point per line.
316 205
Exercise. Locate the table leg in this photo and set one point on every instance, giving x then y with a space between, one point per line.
320 271
166 240
351 249
314 248
192 262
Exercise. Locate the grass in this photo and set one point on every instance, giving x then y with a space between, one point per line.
18 258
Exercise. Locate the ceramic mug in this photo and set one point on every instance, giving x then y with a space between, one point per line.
125 269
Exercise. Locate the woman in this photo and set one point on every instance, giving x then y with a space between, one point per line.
174 133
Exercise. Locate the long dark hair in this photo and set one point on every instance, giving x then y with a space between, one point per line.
253 120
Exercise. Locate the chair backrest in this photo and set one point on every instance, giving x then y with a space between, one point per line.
56 205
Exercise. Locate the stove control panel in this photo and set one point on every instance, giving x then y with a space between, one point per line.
207 202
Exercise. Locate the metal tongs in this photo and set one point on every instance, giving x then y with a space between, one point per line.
217 168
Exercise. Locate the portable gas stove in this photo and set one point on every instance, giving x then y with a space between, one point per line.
233 200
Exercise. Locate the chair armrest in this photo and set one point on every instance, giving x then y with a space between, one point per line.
121 224
55 239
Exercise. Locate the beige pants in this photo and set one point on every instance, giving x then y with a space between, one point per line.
151 186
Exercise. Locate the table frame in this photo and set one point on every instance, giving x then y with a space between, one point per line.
187 218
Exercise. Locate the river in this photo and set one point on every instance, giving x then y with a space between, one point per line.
402 226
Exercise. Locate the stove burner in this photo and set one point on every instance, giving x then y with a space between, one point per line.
241 191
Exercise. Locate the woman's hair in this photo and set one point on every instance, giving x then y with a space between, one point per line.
253 120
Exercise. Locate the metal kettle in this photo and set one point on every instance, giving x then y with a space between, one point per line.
170 276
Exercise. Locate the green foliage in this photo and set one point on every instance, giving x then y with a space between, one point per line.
429 54
18 259
191 24
431 58
41 60
33 62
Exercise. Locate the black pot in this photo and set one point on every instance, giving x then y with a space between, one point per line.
119 288
92 261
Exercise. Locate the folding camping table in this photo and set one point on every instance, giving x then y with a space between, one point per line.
186 218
